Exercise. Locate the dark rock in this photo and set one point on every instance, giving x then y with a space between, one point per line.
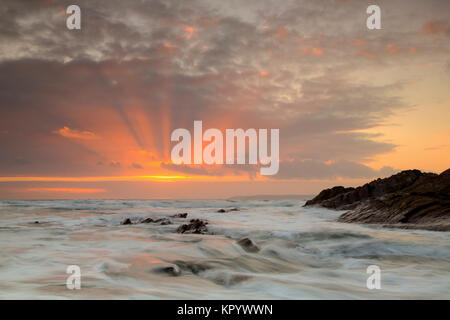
248 245
225 279
36 222
409 199
195 226
193 267
126 221
179 215
349 198
161 221
169 270
229 210
328 194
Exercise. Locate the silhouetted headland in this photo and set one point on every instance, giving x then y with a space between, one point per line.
409 199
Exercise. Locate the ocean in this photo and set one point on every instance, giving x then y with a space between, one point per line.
304 253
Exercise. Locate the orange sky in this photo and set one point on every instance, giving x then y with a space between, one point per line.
89 113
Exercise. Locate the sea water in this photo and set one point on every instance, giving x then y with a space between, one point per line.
304 252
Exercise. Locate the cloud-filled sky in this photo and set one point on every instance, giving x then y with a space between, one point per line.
89 113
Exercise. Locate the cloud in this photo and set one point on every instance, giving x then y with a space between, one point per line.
136 166
115 164
213 170
150 67
436 27
65 190
310 169
75 134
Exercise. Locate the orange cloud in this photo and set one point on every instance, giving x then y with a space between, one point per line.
66 190
282 32
168 49
358 42
367 54
317 52
393 49
314 51
436 27
75 134
190 31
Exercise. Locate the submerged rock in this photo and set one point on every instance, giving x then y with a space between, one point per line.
161 221
168 270
248 245
193 267
126 221
227 210
409 199
195 226
179 215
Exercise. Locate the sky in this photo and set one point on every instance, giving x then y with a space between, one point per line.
89 113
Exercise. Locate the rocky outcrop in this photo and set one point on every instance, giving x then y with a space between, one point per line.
248 245
409 199
161 221
227 210
172 270
348 198
196 226
126 221
180 215
324 196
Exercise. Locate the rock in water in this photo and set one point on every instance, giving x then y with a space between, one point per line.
248 245
349 198
409 199
179 215
327 194
126 221
195 226
168 270
229 210
161 221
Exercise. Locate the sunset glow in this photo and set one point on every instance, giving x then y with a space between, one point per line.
99 106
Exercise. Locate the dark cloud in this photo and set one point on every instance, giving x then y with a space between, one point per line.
436 27
115 164
310 169
145 68
206 170
136 166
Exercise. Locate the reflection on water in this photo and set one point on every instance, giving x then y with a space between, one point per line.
304 253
